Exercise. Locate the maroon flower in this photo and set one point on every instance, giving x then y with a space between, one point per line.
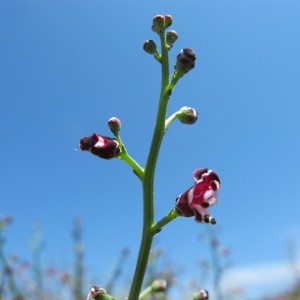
203 194
101 146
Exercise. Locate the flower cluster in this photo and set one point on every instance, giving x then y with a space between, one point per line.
203 194
160 23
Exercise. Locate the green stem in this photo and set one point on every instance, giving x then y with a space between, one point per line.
171 119
133 164
145 292
172 214
148 182
175 78
139 171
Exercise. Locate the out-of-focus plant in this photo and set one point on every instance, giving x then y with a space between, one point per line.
37 246
196 200
292 293
8 285
20 279
217 264
213 268
79 259
117 271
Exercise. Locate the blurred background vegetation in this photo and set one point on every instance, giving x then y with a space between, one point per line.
22 279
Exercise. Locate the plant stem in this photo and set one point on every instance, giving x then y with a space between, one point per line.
145 292
148 182
157 226
171 119
139 171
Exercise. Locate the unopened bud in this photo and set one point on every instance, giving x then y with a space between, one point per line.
188 115
114 125
168 21
158 23
150 46
185 61
201 295
98 293
158 286
171 37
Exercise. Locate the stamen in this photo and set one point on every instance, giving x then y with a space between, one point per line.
209 219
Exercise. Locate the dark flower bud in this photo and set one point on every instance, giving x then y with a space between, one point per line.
188 115
171 37
159 286
185 61
150 46
98 293
114 125
101 146
201 295
198 198
158 23
168 21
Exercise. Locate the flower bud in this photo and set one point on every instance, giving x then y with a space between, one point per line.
185 61
101 146
98 293
171 37
188 115
198 198
114 125
158 286
158 23
150 46
201 295
168 21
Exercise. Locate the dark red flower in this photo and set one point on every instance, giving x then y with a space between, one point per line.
198 198
101 146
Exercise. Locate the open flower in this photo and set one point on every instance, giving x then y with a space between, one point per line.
101 146
198 198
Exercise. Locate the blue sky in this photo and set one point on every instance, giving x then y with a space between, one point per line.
66 67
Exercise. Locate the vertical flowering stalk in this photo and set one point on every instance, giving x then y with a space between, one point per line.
185 62
159 26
